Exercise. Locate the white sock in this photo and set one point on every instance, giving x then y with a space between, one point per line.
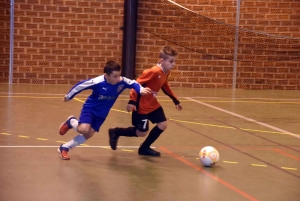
79 139
74 124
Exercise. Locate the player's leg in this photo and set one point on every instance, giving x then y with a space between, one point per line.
158 117
84 124
138 121
76 141
78 126
87 126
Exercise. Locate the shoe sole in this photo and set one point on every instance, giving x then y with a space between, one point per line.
149 155
61 156
63 124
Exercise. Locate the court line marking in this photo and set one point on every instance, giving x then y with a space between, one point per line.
259 165
245 118
249 197
84 146
287 168
285 154
123 148
229 127
236 149
167 100
23 136
41 138
201 97
128 150
5 134
261 137
232 162
273 149
61 141
107 147
203 124
262 131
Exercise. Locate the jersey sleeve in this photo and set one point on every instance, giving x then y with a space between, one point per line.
132 84
145 77
167 90
79 87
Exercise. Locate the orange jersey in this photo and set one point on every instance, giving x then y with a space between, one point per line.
155 79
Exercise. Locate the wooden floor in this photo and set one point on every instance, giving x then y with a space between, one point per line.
257 134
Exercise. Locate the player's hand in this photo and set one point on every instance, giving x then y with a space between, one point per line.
145 91
65 99
130 107
178 107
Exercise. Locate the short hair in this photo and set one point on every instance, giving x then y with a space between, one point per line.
111 66
167 51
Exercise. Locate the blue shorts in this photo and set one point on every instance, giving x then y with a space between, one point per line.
87 117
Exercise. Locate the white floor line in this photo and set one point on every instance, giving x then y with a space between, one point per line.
245 118
121 147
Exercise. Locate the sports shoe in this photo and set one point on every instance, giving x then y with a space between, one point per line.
148 152
113 138
63 152
64 127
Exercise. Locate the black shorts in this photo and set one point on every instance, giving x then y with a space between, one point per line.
141 120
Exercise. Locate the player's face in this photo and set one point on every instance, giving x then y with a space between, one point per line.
168 64
113 78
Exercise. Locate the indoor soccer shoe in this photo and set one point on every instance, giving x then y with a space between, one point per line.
113 138
148 152
64 127
63 152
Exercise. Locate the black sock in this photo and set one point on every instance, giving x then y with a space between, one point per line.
128 132
153 135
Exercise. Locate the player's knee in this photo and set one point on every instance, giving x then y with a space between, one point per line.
162 125
85 131
141 134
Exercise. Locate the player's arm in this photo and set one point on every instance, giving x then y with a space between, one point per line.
167 90
143 79
79 87
132 84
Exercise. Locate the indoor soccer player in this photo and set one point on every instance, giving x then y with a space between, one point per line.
105 90
147 107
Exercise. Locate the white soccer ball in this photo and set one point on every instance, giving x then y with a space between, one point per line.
208 156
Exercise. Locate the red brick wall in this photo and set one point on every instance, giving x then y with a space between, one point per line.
280 17
4 40
260 44
62 42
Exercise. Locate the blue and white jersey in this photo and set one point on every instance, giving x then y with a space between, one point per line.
104 94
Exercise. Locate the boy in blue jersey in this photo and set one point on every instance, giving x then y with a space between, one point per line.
106 89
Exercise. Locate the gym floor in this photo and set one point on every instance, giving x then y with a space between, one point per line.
255 132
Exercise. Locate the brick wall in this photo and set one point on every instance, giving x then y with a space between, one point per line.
4 40
280 17
62 42
266 60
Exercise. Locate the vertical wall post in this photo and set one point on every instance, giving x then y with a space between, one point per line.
129 38
236 43
11 54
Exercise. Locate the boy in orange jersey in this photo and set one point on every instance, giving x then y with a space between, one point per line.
147 107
